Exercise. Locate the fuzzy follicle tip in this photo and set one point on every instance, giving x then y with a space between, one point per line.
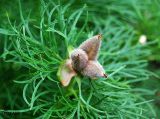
99 36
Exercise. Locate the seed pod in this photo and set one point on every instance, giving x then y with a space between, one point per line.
84 61
79 59
94 70
91 46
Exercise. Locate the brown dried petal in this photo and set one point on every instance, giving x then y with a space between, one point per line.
66 73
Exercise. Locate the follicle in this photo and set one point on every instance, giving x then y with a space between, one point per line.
84 60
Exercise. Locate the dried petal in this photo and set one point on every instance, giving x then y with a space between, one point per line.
79 59
66 73
94 70
91 46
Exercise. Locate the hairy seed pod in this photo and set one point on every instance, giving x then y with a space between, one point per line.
91 46
79 59
83 60
94 70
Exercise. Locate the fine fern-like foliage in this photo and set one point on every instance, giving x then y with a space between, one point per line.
39 47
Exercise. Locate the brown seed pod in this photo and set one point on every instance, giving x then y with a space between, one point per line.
91 46
94 70
84 61
79 59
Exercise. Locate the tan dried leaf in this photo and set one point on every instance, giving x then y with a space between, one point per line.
66 73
